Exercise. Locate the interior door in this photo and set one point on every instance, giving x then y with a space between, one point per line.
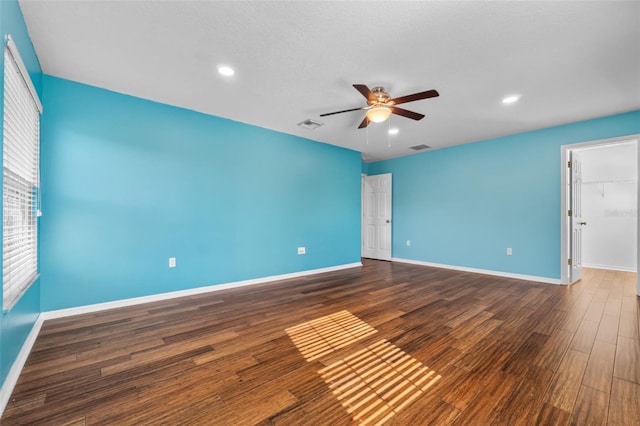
376 217
576 221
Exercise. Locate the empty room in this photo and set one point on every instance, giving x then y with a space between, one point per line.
320 212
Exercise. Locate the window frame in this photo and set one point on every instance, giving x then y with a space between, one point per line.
21 178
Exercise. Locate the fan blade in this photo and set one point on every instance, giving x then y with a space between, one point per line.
340 112
364 123
415 97
365 92
406 113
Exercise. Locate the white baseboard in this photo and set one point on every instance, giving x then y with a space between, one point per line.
544 280
18 364
610 267
60 313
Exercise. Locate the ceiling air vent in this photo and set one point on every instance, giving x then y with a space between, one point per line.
419 147
310 124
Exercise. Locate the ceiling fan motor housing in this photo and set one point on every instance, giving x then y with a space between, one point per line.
382 97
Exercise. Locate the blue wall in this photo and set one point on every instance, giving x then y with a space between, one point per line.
365 168
128 183
465 205
16 324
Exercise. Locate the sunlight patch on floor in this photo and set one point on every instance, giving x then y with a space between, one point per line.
324 335
378 381
374 383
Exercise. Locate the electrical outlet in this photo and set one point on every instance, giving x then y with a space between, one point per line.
408 243
509 251
172 262
302 250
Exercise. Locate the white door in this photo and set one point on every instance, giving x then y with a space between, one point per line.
376 217
576 221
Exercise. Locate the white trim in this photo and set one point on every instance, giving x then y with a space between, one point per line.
564 155
544 280
18 364
610 267
13 49
362 178
60 313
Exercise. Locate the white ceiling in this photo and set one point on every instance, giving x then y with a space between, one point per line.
570 61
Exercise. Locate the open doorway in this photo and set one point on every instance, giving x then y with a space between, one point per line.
599 206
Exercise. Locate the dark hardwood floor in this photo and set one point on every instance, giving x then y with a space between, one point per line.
386 343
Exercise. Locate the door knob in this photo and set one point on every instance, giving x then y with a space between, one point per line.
388 221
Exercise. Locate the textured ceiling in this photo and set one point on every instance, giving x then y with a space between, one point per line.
294 60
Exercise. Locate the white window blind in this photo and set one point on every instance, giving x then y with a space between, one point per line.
21 179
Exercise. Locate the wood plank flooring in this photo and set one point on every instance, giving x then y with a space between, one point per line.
386 343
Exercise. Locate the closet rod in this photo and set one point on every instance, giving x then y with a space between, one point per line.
610 181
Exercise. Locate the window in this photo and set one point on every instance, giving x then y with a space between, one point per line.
21 178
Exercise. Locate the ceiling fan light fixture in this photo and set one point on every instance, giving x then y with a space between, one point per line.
378 114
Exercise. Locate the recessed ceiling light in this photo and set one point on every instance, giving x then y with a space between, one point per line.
510 99
393 131
226 71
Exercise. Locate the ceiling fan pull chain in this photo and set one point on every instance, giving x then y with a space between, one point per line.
367 133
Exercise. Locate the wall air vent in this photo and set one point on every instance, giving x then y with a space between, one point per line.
419 147
310 124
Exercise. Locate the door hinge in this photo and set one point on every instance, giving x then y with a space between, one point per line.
569 164
569 262
569 213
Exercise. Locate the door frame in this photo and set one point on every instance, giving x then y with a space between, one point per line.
362 189
564 239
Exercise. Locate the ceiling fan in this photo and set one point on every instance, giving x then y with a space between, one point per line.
381 106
